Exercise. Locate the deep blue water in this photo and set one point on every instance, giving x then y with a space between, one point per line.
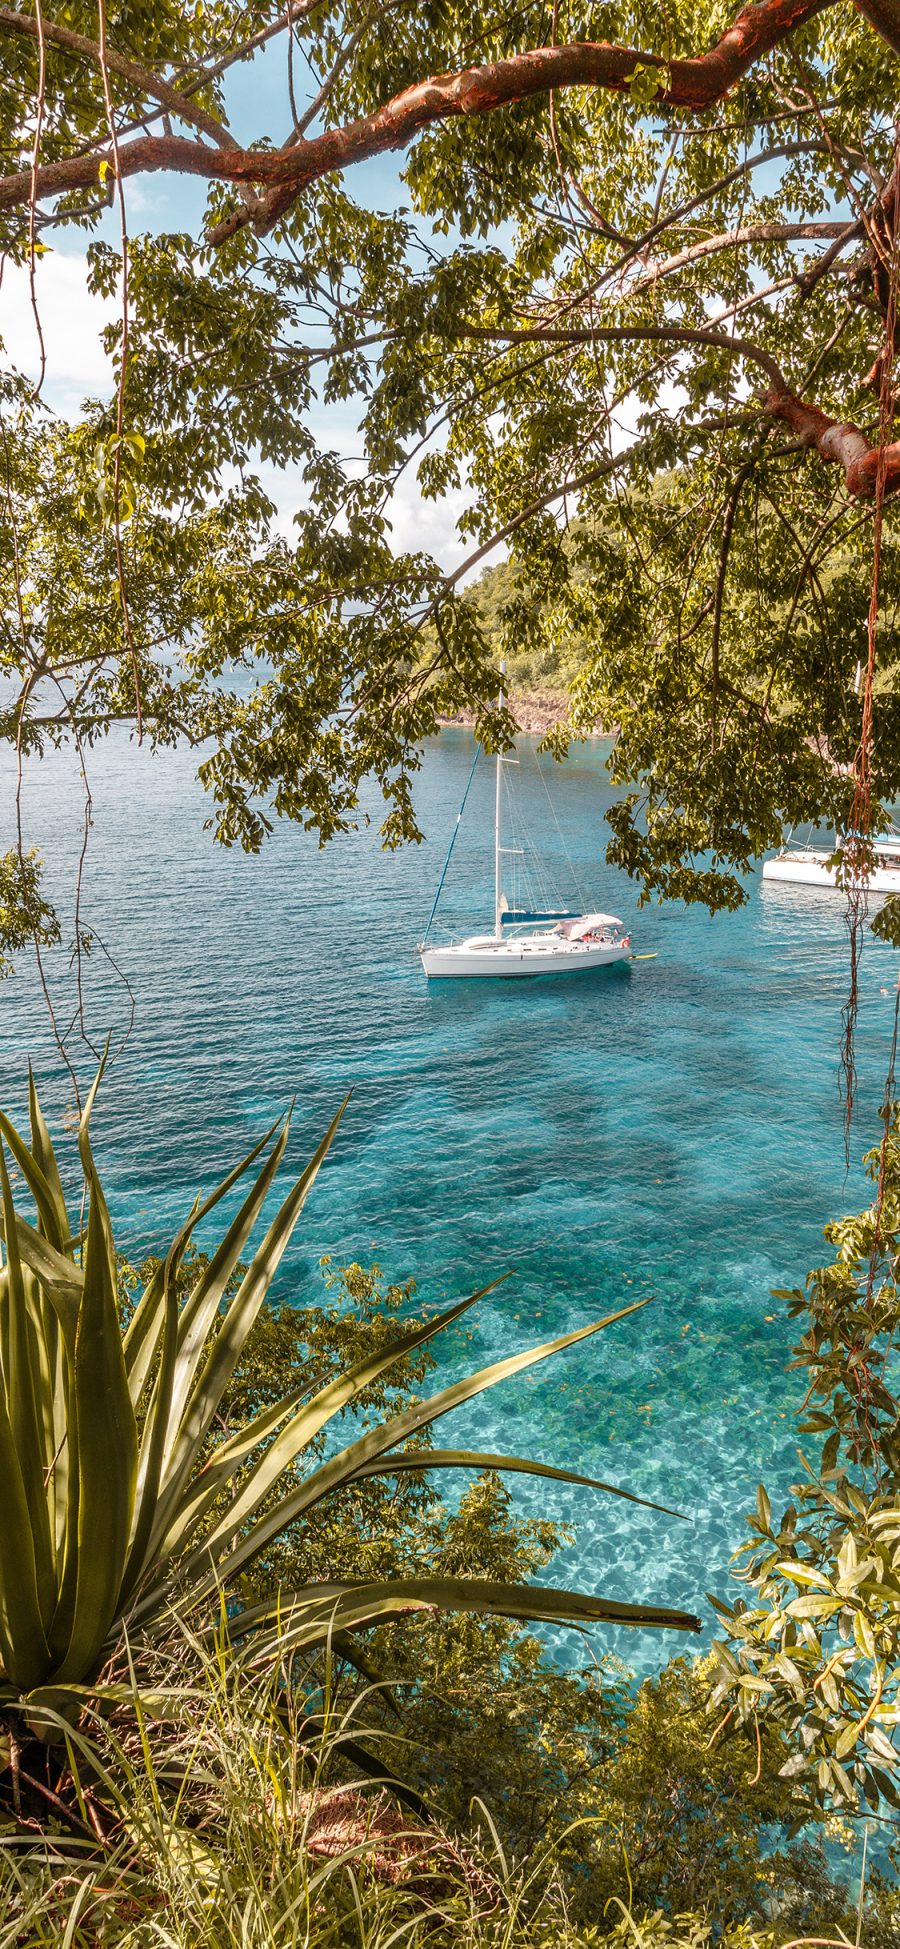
673 1131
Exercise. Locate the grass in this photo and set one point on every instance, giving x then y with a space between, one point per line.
219 1808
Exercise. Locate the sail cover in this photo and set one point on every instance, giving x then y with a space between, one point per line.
517 916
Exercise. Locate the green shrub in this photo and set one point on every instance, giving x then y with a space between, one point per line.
815 1650
229 1829
575 1798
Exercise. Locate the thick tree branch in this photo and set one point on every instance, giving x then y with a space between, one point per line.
191 79
696 82
884 16
840 441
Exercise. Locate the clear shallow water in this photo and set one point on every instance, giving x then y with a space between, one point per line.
673 1131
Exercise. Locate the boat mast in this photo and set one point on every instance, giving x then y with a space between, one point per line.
498 890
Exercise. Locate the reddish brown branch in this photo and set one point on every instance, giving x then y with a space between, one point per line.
696 83
884 16
840 441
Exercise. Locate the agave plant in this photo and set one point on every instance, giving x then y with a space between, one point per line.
118 1508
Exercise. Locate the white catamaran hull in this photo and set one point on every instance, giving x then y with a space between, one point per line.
811 870
484 956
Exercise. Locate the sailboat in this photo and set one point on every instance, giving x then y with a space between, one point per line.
815 866
524 941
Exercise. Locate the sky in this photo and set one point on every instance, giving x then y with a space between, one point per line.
72 319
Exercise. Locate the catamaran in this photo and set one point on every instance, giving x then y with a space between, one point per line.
816 866
525 940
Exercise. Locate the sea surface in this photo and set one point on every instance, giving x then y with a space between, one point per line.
672 1132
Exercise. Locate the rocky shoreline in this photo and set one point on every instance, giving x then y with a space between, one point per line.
535 711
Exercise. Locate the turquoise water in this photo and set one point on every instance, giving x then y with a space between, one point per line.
673 1131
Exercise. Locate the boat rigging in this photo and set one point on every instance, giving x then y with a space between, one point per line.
527 939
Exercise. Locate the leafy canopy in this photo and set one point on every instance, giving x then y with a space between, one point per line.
637 268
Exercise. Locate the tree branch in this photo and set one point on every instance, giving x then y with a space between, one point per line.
785 150
695 82
835 440
141 78
840 441
884 16
605 468
294 10
743 476
674 334
748 233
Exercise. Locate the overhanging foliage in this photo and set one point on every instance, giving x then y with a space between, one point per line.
642 270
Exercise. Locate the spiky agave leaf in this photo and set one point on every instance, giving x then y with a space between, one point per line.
246 1527
315 1615
116 1511
244 1544
99 1431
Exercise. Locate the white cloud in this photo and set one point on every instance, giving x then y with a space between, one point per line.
71 322
416 525
430 525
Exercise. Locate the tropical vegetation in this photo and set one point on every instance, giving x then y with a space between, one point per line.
200 1769
816 1647
643 278
625 304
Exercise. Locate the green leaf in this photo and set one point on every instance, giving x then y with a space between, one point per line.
59 1278
846 1740
153 1439
224 1353
52 1214
312 1615
106 1443
52 1205
310 1417
142 1331
23 1643
438 1458
202 1307
644 84
341 1467
22 1374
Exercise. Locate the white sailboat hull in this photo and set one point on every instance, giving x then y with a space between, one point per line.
484 957
578 943
811 870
